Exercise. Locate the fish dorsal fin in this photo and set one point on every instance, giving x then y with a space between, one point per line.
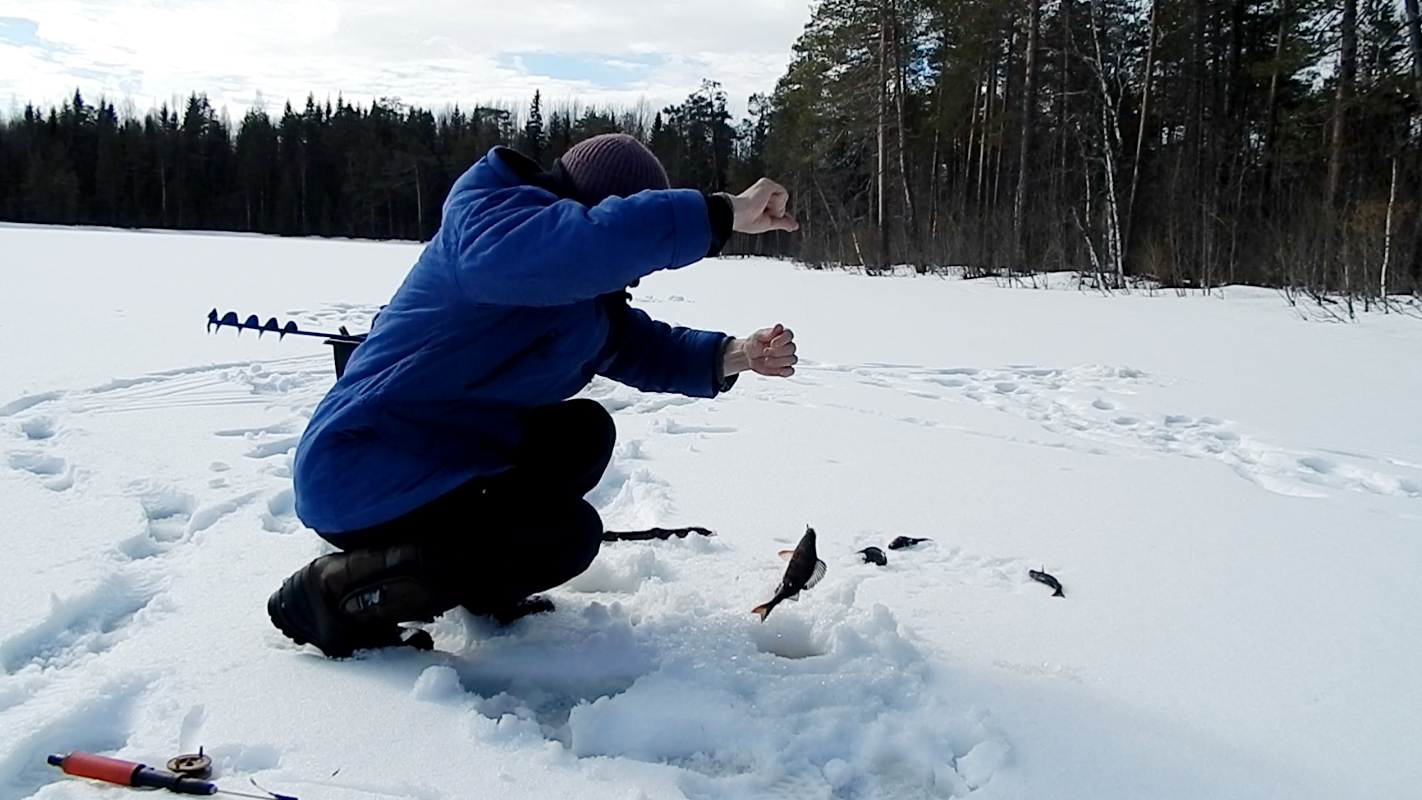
819 572
786 554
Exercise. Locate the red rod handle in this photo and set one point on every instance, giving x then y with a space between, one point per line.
100 768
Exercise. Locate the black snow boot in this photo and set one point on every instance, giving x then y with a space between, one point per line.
354 600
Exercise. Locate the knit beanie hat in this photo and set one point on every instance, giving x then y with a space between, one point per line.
611 165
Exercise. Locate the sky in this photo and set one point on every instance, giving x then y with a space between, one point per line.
432 53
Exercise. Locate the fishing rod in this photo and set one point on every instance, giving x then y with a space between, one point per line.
129 773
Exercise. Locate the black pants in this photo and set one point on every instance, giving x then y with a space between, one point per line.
496 540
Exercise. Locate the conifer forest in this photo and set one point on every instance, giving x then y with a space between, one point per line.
1185 143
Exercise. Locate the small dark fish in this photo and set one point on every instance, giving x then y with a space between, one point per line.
804 572
873 555
904 541
1042 577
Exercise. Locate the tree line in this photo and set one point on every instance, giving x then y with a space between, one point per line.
1190 143
379 171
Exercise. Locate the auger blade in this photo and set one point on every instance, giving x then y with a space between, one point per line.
274 325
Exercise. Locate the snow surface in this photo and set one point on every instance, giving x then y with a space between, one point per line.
1230 492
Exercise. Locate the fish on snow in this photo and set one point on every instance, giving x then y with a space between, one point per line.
873 555
1043 577
905 541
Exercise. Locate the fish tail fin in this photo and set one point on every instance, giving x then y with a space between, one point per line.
1058 593
763 611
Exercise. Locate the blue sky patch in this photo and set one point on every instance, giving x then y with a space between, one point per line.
19 32
603 71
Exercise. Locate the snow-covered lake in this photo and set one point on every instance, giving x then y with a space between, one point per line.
1229 489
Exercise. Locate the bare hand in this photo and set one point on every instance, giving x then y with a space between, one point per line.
762 208
768 351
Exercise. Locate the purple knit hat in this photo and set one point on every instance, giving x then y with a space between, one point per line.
612 165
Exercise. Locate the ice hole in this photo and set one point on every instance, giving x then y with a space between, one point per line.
789 637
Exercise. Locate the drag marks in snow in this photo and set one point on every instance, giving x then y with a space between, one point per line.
27 402
59 682
295 383
60 427
1090 403
252 383
84 625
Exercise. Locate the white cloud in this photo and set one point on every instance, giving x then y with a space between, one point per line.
427 53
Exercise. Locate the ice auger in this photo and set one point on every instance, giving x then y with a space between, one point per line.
342 344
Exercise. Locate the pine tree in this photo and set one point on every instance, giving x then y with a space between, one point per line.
534 141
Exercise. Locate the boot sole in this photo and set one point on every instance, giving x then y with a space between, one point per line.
290 610
289 613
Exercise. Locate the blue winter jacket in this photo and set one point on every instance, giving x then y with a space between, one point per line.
517 302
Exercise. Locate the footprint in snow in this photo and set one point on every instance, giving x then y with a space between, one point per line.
1053 399
280 516
55 473
207 516
274 448
37 463
39 428
674 428
280 428
167 509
